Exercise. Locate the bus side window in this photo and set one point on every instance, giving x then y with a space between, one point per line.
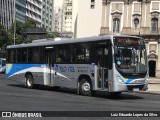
63 54
73 55
58 59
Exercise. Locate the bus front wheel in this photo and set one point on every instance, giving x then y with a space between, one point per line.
85 87
29 81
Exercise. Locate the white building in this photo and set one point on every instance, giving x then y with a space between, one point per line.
87 21
81 18
67 10
58 19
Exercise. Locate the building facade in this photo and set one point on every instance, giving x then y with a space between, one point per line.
58 19
23 9
34 10
67 10
135 17
6 13
20 10
88 18
47 14
80 18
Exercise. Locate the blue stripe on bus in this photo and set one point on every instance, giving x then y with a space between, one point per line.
127 80
14 68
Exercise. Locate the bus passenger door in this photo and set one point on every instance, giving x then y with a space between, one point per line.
102 58
49 73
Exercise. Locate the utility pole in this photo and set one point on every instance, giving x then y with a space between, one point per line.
14 16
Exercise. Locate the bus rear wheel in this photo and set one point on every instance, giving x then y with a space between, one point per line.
85 87
29 81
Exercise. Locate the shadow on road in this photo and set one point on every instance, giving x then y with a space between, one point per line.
123 96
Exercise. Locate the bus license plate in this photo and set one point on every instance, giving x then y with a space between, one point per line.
135 89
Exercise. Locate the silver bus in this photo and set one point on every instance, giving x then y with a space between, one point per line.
110 63
2 65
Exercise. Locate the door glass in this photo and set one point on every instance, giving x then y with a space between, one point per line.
50 64
102 64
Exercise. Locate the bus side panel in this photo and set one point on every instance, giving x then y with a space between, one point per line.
67 75
17 72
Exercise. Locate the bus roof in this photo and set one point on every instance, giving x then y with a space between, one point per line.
48 42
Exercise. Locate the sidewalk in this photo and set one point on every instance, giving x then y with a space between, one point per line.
154 86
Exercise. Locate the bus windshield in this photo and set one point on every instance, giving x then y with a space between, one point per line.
130 55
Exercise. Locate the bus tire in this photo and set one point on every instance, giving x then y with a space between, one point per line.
29 81
85 87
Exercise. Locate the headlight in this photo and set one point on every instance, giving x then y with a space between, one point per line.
120 80
147 80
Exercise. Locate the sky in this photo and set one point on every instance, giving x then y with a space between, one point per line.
58 3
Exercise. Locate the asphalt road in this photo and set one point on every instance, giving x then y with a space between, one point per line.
15 97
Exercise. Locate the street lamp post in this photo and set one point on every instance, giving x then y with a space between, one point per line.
14 22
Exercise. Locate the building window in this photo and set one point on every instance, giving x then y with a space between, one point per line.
92 4
154 24
116 25
136 22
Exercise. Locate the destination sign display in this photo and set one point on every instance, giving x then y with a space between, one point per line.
126 41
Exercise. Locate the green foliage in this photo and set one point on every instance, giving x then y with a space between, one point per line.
54 35
7 37
3 37
30 23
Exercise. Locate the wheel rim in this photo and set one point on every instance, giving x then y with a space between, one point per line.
86 87
29 82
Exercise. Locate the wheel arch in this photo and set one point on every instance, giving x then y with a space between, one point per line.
81 77
86 77
28 73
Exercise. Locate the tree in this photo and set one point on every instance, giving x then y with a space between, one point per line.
7 36
54 35
3 37
30 23
20 27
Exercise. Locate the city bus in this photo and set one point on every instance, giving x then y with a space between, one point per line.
109 63
2 65
2 61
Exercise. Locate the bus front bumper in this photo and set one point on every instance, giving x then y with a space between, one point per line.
120 87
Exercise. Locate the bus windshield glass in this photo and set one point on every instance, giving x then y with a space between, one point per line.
130 55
